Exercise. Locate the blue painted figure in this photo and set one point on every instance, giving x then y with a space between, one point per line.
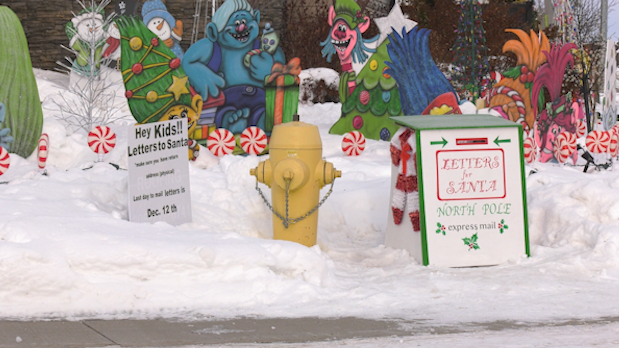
215 64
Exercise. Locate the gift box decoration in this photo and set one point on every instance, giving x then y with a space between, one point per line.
282 93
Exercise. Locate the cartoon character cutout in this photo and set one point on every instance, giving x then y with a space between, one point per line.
111 49
157 18
347 25
86 31
215 65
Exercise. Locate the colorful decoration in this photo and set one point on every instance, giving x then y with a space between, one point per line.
511 97
157 18
470 52
613 148
5 160
353 143
369 97
216 69
111 49
581 128
221 142
418 78
43 150
157 88
87 35
565 20
101 140
193 149
253 140
564 146
403 155
530 150
282 93
558 115
23 117
471 242
609 108
598 141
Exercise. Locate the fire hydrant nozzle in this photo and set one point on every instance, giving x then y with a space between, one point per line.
295 172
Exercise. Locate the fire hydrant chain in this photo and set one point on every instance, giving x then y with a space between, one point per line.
286 220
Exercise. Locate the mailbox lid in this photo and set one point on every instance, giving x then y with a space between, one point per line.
428 122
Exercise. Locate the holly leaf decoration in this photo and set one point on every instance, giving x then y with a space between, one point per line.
513 73
471 242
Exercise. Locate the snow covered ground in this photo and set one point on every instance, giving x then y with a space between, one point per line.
68 251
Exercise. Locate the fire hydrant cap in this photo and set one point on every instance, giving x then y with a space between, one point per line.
295 135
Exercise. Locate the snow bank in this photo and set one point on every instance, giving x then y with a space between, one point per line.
68 251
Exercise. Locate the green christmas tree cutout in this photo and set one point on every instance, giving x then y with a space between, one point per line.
441 228
502 226
471 242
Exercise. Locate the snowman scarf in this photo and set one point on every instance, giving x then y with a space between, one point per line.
403 156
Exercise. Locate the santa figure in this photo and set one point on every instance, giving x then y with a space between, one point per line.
157 18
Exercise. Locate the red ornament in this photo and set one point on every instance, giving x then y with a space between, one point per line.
175 63
129 94
154 42
137 68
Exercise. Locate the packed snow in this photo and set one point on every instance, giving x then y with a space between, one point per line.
67 249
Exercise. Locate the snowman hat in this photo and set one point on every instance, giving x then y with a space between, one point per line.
155 8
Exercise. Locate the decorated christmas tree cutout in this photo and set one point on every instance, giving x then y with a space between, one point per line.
157 88
371 96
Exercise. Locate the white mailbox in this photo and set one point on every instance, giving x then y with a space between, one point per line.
470 192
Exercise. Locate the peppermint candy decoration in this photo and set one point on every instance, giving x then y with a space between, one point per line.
42 150
353 143
221 142
5 160
562 149
613 148
253 140
581 129
101 140
530 150
598 141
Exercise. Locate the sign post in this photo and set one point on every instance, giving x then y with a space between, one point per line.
472 192
159 172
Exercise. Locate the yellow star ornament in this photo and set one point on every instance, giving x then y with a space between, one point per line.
178 87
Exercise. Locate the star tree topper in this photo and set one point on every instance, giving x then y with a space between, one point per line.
395 20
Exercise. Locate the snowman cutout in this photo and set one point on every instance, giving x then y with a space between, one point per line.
111 49
158 20
86 31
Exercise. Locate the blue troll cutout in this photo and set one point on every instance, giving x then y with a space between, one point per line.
216 63
419 79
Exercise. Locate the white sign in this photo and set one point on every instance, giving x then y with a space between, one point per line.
159 172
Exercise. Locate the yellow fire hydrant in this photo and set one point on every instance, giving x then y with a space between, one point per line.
295 173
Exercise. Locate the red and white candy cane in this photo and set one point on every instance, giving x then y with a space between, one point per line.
530 150
221 142
613 148
581 129
598 141
353 143
515 96
101 140
253 140
43 150
561 149
5 160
